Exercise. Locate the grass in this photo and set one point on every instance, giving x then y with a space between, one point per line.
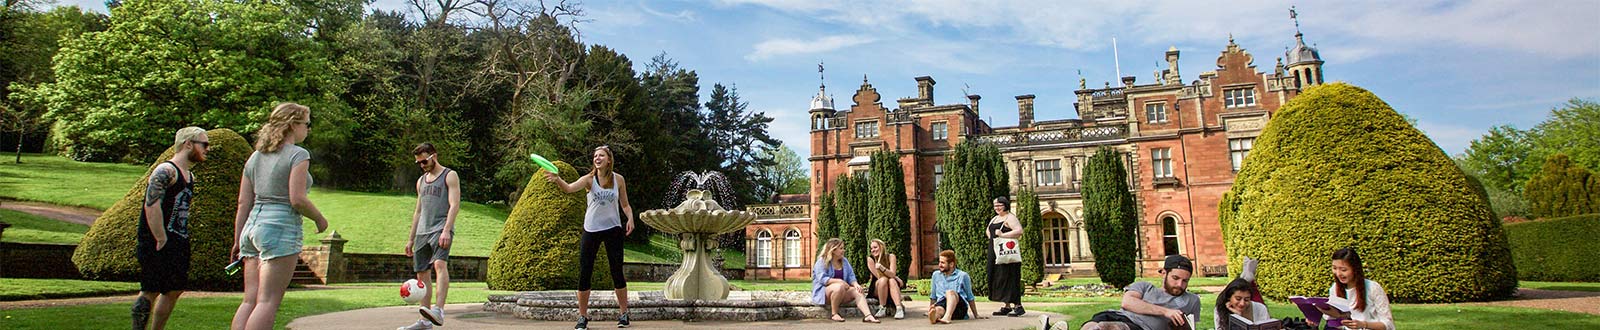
1566 286
215 312
1193 282
770 285
28 228
12 289
372 222
62 181
1407 315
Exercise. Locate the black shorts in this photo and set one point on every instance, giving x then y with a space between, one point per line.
425 249
1114 316
165 270
961 308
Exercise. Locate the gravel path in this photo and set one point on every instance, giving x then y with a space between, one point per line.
78 215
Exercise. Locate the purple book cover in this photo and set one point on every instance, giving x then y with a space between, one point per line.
1308 306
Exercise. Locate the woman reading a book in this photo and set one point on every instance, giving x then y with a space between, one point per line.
1235 300
1369 305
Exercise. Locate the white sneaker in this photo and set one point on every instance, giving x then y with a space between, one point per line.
900 313
1044 322
434 315
420 325
878 313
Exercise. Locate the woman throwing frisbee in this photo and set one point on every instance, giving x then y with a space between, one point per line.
608 220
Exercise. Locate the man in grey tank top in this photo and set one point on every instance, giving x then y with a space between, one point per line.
432 225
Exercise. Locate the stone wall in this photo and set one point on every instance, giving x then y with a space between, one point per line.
330 263
34 260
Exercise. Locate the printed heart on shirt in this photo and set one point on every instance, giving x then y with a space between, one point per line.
1011 245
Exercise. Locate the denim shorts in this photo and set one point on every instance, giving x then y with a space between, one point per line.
272 231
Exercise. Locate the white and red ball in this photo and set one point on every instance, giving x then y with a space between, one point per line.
413 291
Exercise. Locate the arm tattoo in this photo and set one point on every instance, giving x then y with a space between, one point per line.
157 189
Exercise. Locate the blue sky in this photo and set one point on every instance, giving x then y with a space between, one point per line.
1458 67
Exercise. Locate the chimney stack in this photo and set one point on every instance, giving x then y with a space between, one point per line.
1024 111
925 89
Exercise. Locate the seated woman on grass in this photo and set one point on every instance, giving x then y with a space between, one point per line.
833 281
1236 299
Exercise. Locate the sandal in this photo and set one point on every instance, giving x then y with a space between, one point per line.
836 318
870 320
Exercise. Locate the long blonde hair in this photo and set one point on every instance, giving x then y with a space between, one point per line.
283 118
826 254
881 247
611 158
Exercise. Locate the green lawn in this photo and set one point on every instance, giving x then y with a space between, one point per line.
1567 286
28 228
1408 316
1193 282
216 312
770 285
29 289
372 222
62 181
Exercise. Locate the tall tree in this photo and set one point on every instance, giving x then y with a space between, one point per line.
674 93
739 136
787 172
1562 189
1571 130
1498 156
827 219
888 216
963 213
1032 239
1108 211
851 208
29 39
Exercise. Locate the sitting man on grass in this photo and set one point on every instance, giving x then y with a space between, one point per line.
1146 308
949 284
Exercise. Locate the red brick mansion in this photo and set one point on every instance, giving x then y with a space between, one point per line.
1183 141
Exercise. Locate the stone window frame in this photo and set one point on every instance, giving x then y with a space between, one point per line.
1041 172
1170 234
940 130
1238 149
1239 97
1161 163
1159 115
791 238
861 133
764 244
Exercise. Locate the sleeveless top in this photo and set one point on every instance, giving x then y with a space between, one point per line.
175 206
433 200
604 211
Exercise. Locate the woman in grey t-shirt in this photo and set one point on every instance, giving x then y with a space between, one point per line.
266 226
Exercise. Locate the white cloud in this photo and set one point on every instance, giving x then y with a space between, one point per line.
682 16
788 47
1452 139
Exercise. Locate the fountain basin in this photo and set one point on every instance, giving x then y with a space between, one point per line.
696 222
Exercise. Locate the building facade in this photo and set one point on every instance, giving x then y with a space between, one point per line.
1183 144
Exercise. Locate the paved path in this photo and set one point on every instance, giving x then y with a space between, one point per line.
78 215
472 316
1571 301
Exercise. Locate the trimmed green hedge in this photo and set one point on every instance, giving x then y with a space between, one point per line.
538 249
1032 236
1561 249
1337 167
827 220
106 252
1110 215
889 218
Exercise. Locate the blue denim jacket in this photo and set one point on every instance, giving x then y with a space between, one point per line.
958 280
821 273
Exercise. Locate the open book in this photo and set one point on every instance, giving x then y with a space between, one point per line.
1238 322
1312 307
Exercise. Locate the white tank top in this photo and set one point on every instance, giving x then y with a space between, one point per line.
604 212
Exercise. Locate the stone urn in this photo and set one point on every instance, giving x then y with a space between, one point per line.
696 222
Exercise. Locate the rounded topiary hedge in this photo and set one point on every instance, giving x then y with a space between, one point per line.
1560 249
1338 167
538 248
106 251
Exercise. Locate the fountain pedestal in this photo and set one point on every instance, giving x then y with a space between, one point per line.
697 222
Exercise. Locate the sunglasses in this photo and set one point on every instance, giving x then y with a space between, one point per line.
203 144
424 161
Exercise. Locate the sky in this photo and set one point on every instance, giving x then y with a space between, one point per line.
1457 67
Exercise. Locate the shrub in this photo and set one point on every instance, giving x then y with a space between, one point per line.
1032 236
889 218
538 249
106 251
1337 167
964 213
1109 214
1561 249
851 209
1562 188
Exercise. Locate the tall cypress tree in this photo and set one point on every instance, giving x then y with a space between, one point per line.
1032 239
963 213
851 209
889 219
1108 211
827 219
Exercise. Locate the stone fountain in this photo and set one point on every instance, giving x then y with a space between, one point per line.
696 222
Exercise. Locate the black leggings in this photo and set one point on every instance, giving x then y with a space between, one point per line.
590 243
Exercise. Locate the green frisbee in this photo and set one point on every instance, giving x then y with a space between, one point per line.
543 163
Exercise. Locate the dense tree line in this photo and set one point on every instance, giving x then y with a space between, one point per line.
1506 158
489 81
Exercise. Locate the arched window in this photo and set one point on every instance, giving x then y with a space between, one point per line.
1169 235
764 249
791 248
1058 237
